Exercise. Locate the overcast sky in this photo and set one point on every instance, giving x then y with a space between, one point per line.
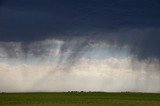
97 45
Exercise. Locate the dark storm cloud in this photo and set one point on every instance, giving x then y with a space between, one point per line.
33 20
30 20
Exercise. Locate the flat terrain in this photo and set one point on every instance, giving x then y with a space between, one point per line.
79 99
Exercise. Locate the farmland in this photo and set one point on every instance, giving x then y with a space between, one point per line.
80 99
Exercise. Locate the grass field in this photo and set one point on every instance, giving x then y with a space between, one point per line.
79 99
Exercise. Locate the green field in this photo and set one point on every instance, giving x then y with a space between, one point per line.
79 99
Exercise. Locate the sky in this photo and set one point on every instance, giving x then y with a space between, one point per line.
79 45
